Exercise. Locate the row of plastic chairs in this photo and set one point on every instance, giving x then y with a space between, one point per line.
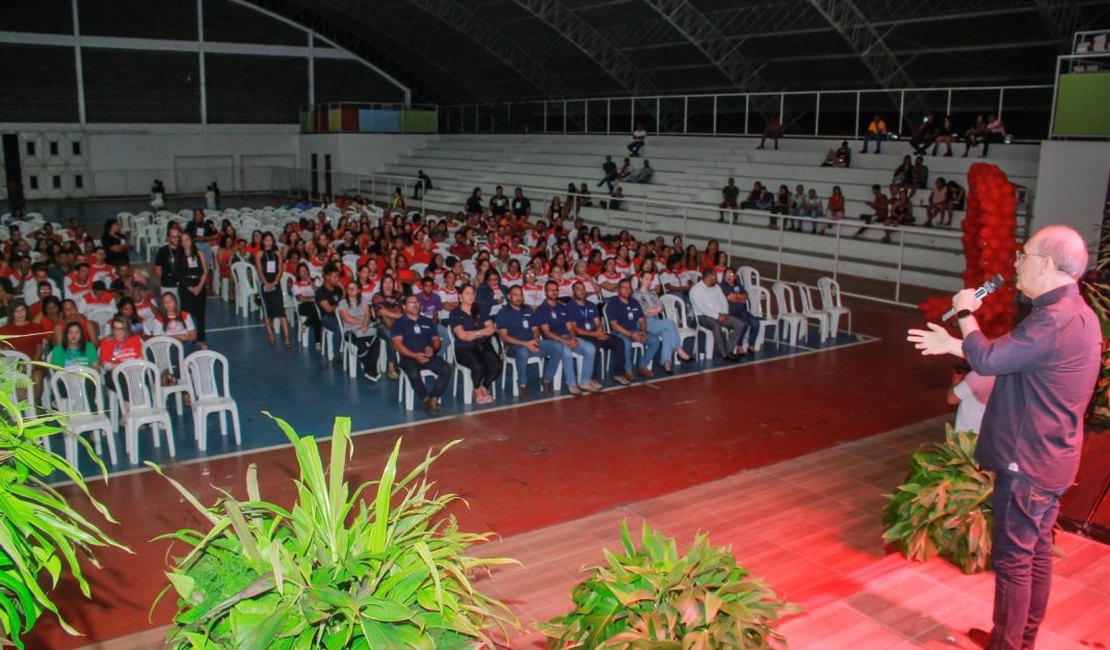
140 400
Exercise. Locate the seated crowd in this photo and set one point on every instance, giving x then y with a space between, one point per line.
489 284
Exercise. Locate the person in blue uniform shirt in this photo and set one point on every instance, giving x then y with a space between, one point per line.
553 318
586 324
416 339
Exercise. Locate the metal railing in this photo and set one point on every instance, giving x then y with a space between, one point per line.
824 113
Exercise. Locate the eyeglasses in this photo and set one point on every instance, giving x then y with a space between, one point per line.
1021 255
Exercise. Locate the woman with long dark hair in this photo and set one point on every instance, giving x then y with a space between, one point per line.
473 331
268 264
115 244
194 283
75 350
356 315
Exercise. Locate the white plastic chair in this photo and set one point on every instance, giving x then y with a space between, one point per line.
793 322
140 382
674 308
161 351
211 396
246 287
811 312
419 269
347 348
710 341
28 394
102 316
831 304
510 362
71 398
749 277
759 303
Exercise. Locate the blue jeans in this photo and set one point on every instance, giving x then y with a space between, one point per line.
1021 555
878 138
521 355
666 331
330 322
751 323
651 347
555 350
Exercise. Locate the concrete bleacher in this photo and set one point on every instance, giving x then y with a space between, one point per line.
689 173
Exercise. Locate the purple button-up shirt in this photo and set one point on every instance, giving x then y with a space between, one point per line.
1046 369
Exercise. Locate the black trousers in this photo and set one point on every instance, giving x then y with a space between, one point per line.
311 318
615 346
196 306
411 367
368 351
483 362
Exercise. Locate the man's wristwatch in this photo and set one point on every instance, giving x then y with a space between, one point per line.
963 313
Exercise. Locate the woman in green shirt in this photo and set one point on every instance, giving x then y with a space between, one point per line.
75 350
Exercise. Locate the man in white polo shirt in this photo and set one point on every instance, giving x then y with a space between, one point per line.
713 314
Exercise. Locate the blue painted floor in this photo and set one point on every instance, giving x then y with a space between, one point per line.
304 388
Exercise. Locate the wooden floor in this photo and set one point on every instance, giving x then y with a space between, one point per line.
810 527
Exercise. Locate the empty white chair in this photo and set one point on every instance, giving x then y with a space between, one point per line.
759 303
419 269
164 352
792 322
674 308
211 395
749 277
350 260
139 387
811 312
71 398
246 287
831 304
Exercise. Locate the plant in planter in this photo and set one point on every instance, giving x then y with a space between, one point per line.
41 535
334 571
652 597
944 507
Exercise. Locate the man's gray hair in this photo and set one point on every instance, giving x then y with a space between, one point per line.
1065 246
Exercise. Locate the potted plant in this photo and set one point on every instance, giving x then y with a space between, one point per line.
41 535
652 597
944 506
333 571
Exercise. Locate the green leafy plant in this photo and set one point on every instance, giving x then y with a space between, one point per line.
41 535
333 572
652 597
943 508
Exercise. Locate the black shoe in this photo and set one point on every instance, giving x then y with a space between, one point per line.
372 377
980 638
429 404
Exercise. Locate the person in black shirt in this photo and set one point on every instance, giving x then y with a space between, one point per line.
216 191
925 135
499 203
730 195
417 189
521 205
115 244
327 301
203 232
169 263
193 290
474 203
610 169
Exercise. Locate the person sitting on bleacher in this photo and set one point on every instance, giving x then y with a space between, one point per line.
924 135
639 136
773 131
609 173
730 194
625 170
945 133
938 202
901 212
996 132
903 175
876 130
758 199
521 205
956 196
642 175
881 207
784 205
811 207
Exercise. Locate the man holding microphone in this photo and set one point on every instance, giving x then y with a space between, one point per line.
1032 431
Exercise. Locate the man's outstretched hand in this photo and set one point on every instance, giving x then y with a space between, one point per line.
935 340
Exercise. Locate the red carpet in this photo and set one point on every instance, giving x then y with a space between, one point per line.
525 468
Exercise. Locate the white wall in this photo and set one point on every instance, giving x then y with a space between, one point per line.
357 154
1071 186
124 160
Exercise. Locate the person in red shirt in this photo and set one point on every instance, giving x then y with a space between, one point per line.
78 283
26 337
461 248
98 298
120 347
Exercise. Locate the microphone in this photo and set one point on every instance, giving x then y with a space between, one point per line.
989 287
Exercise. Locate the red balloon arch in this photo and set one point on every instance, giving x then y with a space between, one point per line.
989 248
